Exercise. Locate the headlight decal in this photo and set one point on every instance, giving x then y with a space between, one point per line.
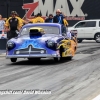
51 44
10 45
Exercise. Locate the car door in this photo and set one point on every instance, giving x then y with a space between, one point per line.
80 29
89 29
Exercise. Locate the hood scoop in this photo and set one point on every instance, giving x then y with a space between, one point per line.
36 32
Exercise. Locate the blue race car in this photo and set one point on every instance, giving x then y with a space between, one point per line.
41 40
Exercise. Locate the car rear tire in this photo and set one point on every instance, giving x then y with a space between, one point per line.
97 37
13 59
79 40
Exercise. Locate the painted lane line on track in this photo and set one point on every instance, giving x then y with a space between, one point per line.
97 98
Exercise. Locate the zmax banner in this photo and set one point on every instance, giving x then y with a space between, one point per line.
75 10
50 7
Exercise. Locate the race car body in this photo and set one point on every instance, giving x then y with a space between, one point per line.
41 40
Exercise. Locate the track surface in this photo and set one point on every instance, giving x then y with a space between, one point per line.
78 79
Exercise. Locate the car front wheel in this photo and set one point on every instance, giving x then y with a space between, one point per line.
13 59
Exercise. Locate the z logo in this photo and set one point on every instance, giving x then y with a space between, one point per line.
31 7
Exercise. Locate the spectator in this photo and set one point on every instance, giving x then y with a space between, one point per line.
23 21
65 22
13 25
33 19
49 19
58 18
2 22
39 19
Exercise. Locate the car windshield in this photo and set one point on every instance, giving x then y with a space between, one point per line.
47 30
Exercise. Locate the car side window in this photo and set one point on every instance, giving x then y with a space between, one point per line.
90 24
80 25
